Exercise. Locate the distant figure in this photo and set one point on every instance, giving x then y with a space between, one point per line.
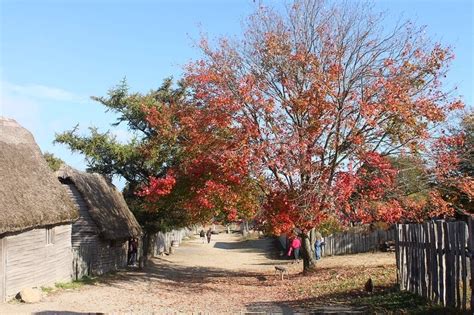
208 234
132 251
202 234
318 244
369 286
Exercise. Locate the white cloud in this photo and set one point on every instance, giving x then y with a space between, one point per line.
24 110
40 92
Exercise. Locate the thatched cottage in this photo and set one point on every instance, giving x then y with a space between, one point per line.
35 216
100 235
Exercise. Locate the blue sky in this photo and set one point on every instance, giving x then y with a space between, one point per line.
55 54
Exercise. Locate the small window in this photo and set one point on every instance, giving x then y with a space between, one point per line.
49 235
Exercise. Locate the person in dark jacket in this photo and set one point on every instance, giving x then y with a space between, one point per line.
208 234
132 251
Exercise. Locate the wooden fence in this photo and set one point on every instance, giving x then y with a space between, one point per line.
435 260
162 241
356 242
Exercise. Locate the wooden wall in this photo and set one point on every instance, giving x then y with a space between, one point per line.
84 229
30 262
92 255
2 270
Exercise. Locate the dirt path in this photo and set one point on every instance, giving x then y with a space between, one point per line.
225 276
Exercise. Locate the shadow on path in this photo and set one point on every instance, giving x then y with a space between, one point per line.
268 246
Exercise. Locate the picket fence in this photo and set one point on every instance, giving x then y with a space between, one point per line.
435 260
356 242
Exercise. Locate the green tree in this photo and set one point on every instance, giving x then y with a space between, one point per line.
136 160
53 162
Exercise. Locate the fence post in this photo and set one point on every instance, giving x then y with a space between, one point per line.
471 252
397 253
439 231
434 263
463 244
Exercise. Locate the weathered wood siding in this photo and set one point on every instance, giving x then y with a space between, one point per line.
30 262
110 257
2 270
92 255
84 229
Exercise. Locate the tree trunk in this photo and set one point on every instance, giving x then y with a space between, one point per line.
245 228
147 240
307 251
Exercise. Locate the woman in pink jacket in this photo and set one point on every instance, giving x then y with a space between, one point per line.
295 246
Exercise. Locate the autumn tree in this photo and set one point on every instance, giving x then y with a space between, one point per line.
173 179
315 100
453 154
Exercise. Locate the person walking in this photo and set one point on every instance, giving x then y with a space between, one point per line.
317 245
202 234
208 234
132 251
296 245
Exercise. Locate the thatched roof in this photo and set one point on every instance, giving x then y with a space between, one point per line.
107 207
30 195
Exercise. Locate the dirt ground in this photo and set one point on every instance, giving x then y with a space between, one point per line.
225 276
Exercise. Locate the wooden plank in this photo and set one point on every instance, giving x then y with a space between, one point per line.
428 255
418 258
405 258
462 236
423 273
448 266
471 252
439 228
3 244
397 252
434 263
457 255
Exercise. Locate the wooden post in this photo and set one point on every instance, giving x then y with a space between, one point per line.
462 236
428 255
423 273
439 229
406 240
448 266
397 253
434 263
457 256
471 252
3 251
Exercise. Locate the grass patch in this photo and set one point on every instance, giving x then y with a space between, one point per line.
345 286
393 301
76 284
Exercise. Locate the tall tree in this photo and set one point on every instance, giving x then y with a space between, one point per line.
316 100
140 158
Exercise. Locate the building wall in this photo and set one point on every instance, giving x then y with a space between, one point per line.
2 270
92 254
30 262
